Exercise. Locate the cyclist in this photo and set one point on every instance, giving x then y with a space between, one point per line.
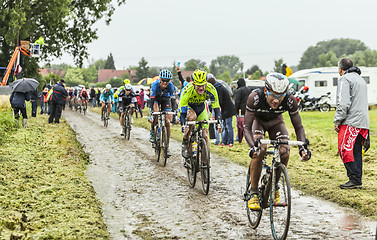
128 99
107 97
264 110
161 92
84 96
194 108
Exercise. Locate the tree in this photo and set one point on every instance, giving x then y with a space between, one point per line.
142 70
229 63
367 58
109 62
115 82
66 25
256 75
252 70
327 60
278 64
339 47
225 76
193 64
74 77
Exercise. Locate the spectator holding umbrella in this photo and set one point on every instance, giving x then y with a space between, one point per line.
59 96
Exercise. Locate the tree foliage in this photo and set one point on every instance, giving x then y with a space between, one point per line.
109 64
278 64
142 70
194 64
230 63
367 58
340 47
74 77
253 69
66 25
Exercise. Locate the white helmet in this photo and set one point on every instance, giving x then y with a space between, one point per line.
276 82
128 86
108 86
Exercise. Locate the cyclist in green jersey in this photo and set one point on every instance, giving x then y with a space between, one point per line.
193 105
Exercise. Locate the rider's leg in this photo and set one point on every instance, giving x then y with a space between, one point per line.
191 116
168 120
256 165
103 106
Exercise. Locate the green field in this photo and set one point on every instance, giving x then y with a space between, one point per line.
44 192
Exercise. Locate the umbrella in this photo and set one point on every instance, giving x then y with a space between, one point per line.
81 86
24 85
227 87
292 80
145 81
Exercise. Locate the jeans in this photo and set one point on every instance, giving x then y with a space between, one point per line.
227 134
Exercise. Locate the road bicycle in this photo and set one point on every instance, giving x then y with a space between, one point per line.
106 116
198 157
161 141
269 187
84 106
127 123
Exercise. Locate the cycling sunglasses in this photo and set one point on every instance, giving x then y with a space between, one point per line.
165 80
276 96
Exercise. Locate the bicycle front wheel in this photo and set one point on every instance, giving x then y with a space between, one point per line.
204 158
106 118
164 145
280 203
157 141
191 168
253 216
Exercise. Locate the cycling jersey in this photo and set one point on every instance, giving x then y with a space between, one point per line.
127 99
191 99
157 92
84 94
260 117
107 96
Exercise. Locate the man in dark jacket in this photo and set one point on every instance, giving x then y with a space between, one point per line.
34 103
92 95
58 100
242 93
17 100
227 111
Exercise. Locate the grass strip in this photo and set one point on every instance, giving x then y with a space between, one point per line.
322 175
44 192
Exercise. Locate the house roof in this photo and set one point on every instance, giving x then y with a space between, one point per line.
46 71
105 74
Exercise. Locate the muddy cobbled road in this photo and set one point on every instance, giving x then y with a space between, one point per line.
144 200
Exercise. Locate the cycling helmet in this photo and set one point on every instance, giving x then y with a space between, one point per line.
210 76
199 77
305 89
126 81
108 86
166 74
128 86
277 82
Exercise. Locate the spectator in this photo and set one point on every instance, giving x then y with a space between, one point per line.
17 100
241 95
92 95
44 103
138 107
351 121
142 98
58 100
227 111
34 102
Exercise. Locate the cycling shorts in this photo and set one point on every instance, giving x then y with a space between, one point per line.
106 100
164 103
202 112
276 128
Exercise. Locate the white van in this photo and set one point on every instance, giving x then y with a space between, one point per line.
323 80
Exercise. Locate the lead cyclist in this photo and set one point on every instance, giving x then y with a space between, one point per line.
264 110
193 107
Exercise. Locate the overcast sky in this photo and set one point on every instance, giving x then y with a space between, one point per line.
259 32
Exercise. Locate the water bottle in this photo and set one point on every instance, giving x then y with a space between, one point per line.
178 64
194 147
264 174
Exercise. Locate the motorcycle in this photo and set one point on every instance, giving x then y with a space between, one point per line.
305 103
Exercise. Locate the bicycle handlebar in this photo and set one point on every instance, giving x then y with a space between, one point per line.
201 121
278 142
158 113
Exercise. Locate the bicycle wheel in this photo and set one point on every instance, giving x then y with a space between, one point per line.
164 145
157 141
204 157
191 168
84 108
127 126
280 212
253 216
105 117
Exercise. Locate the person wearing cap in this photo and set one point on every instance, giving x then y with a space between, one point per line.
59 95
107 97
264 109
